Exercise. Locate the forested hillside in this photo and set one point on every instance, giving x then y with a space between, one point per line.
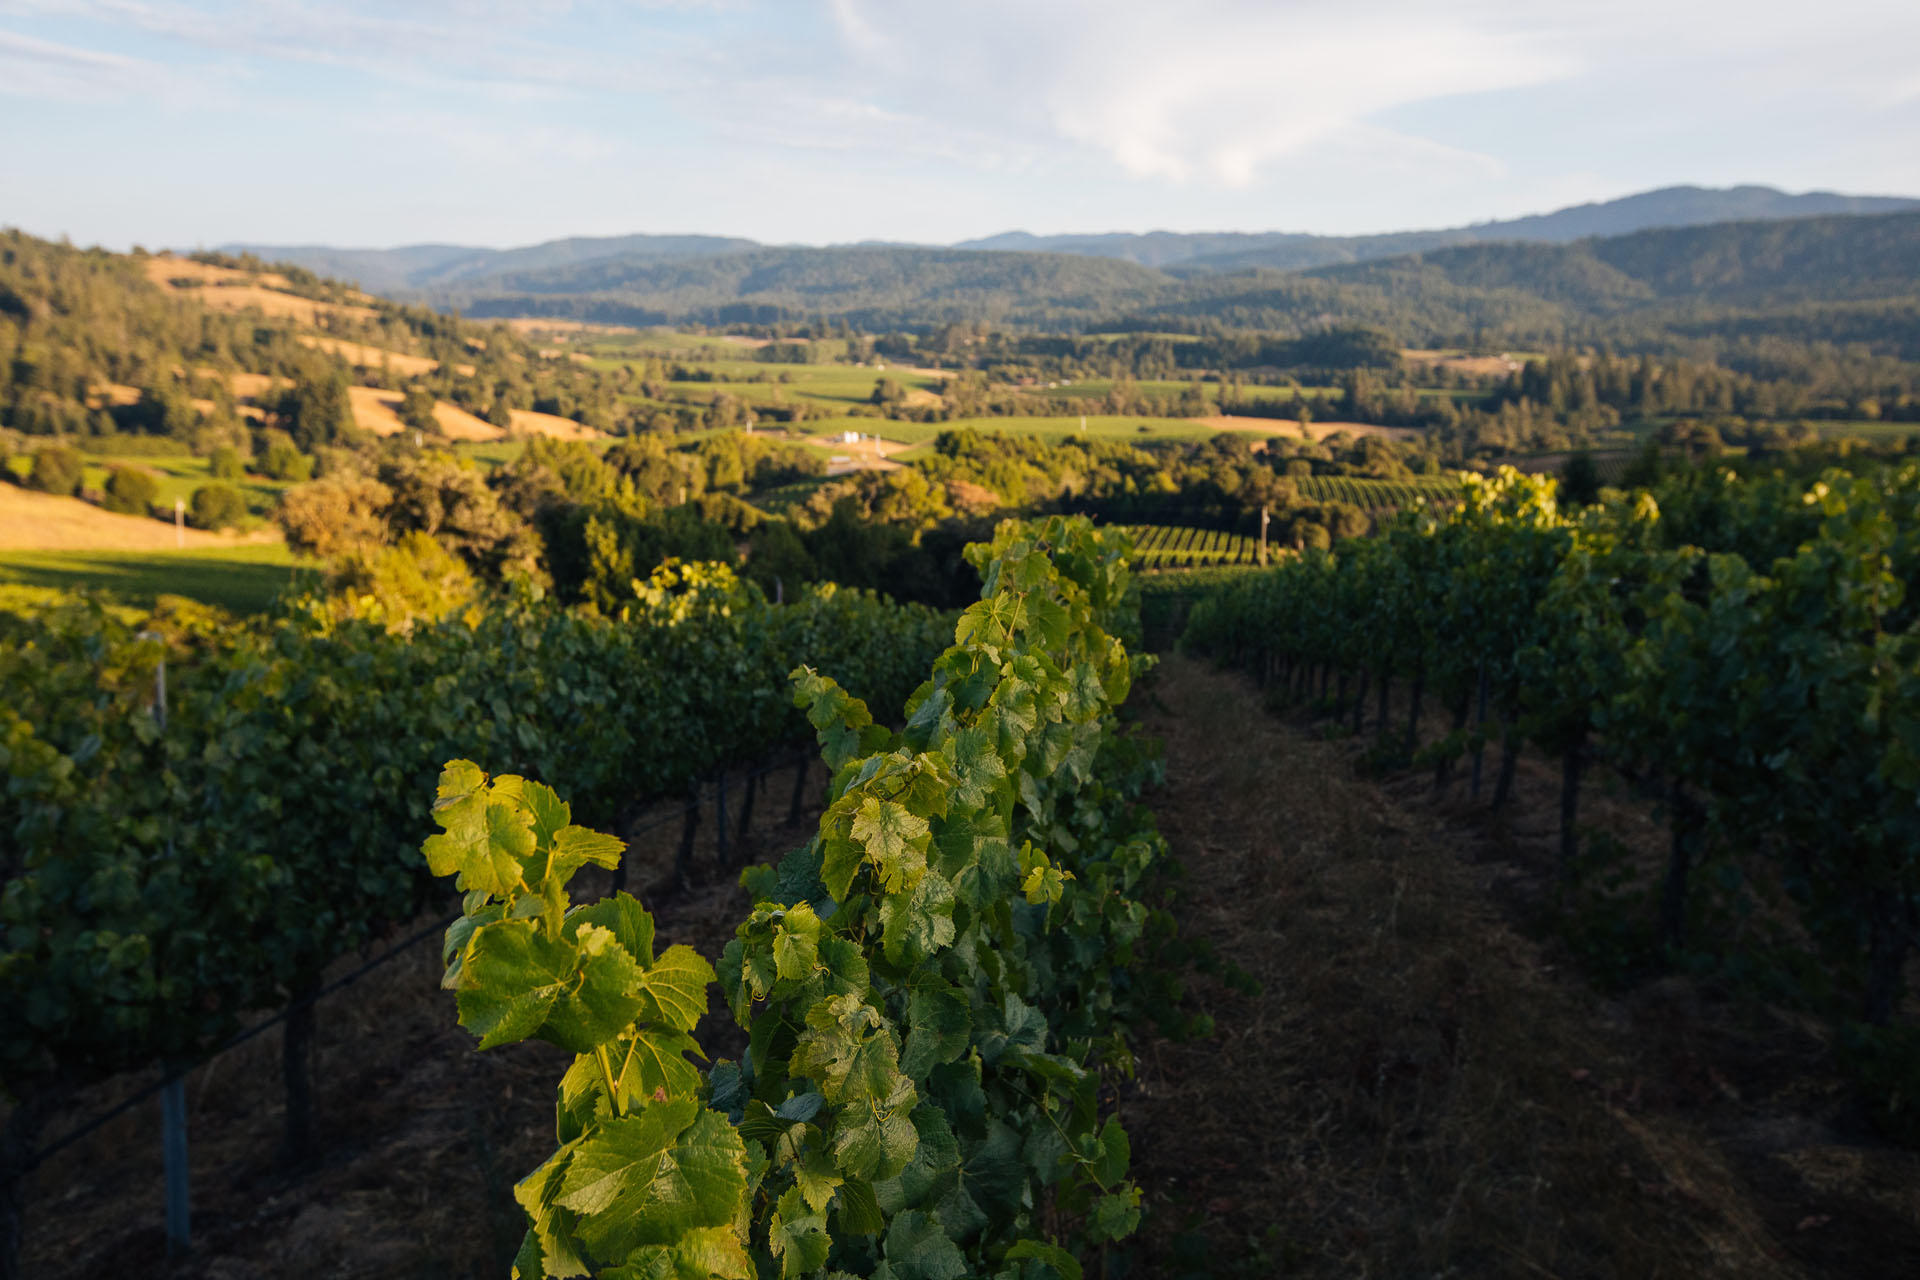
1651 290
873 287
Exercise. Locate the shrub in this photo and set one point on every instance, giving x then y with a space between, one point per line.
130 491
415 579
217 506
342 513
284 462
56 469
225 464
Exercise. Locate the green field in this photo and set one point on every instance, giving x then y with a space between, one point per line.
178 474
1863 429
244 579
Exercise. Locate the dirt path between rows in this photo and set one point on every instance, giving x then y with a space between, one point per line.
1420 1089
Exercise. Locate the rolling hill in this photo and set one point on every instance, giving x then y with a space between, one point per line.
1840 277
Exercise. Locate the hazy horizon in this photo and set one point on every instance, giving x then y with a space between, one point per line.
475 122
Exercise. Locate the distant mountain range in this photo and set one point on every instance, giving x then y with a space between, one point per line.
1818 266
1291 251
427 267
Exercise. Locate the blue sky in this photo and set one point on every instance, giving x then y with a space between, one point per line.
382 122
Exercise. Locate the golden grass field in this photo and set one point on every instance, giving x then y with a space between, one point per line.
1480 366
358 353
226 289
113 394
376 411
32 521
528 326
1289 428
528 423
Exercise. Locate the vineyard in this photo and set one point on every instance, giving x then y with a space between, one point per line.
930 987
1159 547
208 814
203 815
1377 495
1743 653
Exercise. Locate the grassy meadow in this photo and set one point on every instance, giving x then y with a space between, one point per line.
244 578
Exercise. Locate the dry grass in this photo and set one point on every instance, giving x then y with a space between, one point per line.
113 395
252 386
1290 428
356 353
176 273
532 325
1478 366
867 454
525 422
32 521
1421 1089
375 410
228 289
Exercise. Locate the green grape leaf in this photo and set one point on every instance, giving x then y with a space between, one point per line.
796 943
550 813
653 1177
658 1064
939 1025
706 1253
629 921
874 1138
1115 1153
600 1002
510 978
918 924
1017 1026
553 1226
841 860
1063 1264
918 1249
486 842
894 840
674 988
797 1236
857 1212
1114 1215
576 847
527 1261
934 1167
817 1178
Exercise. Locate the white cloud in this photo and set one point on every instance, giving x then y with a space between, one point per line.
35 68
1215 91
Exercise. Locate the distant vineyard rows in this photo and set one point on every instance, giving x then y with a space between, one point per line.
1158 546
1376 495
